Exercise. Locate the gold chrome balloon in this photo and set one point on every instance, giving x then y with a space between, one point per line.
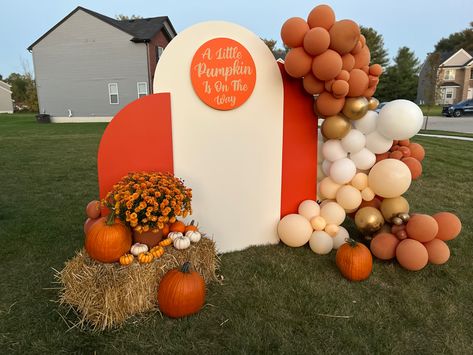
369 220
355 107
391 207
404 216
373 103
397 221
335 127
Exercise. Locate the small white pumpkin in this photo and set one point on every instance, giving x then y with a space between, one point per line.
174 235
138 248
182 242
194 236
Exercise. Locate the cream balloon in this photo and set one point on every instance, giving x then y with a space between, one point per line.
309 209
367 123
400 119
342 171
340 238
389 178
324 202
348 197
320 173
367 194
320 242
329 188
354 141
360 181
326 167
318 223
364 159
331 229
294 230
333 213
332 150
377 143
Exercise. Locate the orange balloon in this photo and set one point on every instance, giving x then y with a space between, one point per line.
384 245
357 48
313 85
366 69
414 166
370 92
316 41
348 61
293 32
363 40
340 88
362 58
382 156
396 155
328 85
344 75
298 62
376 70
373 81
327 105
404 142
417 151
406 152
344 36
422 227
450 225
412 255
321 16
438 251
327 65
358 83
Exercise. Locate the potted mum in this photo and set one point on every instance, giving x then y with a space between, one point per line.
147 202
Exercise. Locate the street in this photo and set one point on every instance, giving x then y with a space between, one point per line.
461 124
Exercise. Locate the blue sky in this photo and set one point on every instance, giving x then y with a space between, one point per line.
417 24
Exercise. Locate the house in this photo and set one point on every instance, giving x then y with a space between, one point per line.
89 66
6 102
454 80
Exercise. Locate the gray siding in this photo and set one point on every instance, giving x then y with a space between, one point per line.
6 103
75 63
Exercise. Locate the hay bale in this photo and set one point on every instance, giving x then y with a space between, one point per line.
103 296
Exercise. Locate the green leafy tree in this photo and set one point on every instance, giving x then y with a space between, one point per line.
121 17
277 52
456 41
1 77
23 89
375 42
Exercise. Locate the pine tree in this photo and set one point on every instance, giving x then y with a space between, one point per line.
375 42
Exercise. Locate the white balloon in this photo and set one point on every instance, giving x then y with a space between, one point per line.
332 212
340 238
367 123
354 141
342 171
400 119
326 167
320 173
364 159
332 150
294 230
321 243
378 143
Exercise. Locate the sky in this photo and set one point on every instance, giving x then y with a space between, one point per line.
417 24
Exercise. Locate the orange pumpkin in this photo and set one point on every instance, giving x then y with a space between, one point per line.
181 292
178 226
191 227
93 209
126 259
157 251
165 230
165 242
108 239
354 261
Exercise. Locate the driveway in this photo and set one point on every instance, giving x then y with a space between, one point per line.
462 124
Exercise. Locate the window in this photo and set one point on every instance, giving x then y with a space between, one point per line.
449 74
113 93
142 89
449 93
159 53
471 74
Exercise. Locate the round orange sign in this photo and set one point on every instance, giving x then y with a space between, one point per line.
223 73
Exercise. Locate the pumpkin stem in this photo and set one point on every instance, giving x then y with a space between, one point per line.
186 267
351 242
111 218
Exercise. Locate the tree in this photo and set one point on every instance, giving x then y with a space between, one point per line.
431 79
121 17
375 42
1 77
277 52
456 41
23 89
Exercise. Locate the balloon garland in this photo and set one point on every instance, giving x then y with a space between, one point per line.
366 161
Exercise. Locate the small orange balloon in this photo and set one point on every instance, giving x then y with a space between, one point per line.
370 92
414 166
422 227
293 32
298 62
366 69
373 81
344 75
340 88
358 83
321 16
438 251
362 58
328 85
344 36
417 151
316 41
395 155
363 40
404 142
382 156
348 62
376 70
412 255
327 105
406 152
313 85
327 65
358 48
383 246
450 225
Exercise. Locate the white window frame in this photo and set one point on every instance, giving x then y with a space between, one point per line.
449 74
159 53
449 91
110 93
138 88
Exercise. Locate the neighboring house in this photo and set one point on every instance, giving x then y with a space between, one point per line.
6 102
89 66
454 80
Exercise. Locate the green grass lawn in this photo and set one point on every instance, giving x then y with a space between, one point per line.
273 298
431 110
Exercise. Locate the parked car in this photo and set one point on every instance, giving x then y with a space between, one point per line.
380 106
459 109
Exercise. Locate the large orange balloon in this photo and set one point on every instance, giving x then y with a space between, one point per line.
417 151
422 227
313 85
449 225
358 83
321 16
438 251
384 245
327 105
344 36
362 58
316 41
412 255
293 31
327 65
414 166
298 62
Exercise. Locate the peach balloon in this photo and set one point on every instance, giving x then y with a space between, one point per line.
358 83
414 166
383 246
348 197
318 223
367 194
332 229
417 151
327 105
293 31
333 213
327 65
360 181
340 88
316 41
298 62
376 70
438 251
309 209
422 227
348 62
362 58
294 230
329 188
389 178
344 36
412 255
449 225
313 85
321 16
